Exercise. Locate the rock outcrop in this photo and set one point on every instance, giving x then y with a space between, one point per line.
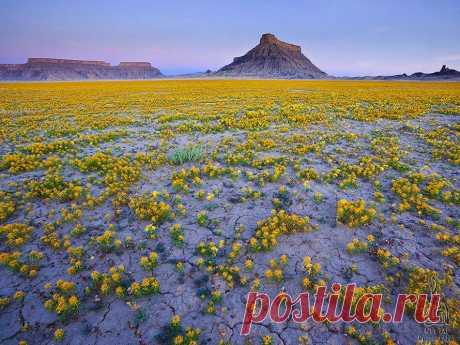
64 69
272 58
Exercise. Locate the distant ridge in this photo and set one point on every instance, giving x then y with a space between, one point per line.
66 69
272 58
444 73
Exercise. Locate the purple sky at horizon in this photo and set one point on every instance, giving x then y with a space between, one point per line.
355 37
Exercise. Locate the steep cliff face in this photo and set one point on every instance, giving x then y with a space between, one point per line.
272 58
64 69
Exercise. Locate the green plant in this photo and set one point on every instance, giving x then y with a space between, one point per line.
186 154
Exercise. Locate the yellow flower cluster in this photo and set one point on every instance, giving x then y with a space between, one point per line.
379 197
209 249
444 143
216 298
94 139
71 214
452 252
147 207
249 264
175 322
75 256
367 168
446 237
19 162
231 275
308 174
354 213
148 263
188 337
54 186
415 197
182 178
423 280
152 160
61 146
275 272
77 230
249 193
361 337
151 231
118 173
16 234
13 262
65 286
180 266
251 120
267 175
177 235
387 259
50 237
453 306
236 249
4 302
108 241
267 340
7 206
279 223
148 286
110 282
59 335
63 300
434 186
202 218
312 271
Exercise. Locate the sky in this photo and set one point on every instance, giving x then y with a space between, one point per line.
342 37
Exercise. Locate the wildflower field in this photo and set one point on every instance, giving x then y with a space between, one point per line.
143 212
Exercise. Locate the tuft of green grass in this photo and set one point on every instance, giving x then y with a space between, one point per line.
139 317
186 154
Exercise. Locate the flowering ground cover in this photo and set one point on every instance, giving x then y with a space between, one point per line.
144 212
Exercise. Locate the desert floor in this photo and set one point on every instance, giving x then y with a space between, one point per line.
131 211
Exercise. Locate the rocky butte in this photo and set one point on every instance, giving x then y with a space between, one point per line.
272 58
65 69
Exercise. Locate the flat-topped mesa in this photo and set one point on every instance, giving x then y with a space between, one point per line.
146 65
67 69
47 61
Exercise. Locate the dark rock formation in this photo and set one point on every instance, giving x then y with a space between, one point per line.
63 69
272 58
444 74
